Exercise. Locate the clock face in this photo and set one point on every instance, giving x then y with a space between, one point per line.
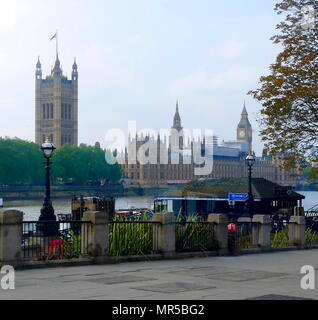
241 133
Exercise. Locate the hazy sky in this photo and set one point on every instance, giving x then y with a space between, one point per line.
135 58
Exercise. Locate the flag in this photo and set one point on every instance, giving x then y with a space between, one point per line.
53 37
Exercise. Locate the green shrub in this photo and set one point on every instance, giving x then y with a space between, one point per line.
244 241
72 246
194 236
131 238
280 239
311 238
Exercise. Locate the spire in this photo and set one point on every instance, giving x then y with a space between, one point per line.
74 71
38 71
244 122
57 66
38 65
244 112
74 64
177 119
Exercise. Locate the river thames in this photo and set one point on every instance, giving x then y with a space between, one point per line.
31 208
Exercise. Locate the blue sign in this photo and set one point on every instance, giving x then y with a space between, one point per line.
238 196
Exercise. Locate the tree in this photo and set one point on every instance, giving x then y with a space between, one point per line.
288 95
22 162
83 164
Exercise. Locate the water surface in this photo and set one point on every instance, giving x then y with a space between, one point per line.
32 208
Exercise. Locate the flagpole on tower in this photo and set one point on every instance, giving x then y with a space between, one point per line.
56 39
57 44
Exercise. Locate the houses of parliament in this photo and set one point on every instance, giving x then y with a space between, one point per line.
56 118
228 158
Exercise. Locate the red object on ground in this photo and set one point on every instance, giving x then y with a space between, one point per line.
122 212
231 227
56 243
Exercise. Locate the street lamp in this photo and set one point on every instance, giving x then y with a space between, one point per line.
47 211
250 160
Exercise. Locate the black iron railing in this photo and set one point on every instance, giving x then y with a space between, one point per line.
51 240
133 237
311 234
280 233
195 236
64 216
243 234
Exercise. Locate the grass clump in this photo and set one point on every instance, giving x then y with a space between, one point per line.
193 235
311 238
134 238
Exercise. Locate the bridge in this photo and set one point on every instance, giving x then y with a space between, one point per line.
312 212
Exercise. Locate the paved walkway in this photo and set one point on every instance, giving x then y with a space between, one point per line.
241 277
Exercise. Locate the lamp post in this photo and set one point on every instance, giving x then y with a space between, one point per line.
250 160
47 211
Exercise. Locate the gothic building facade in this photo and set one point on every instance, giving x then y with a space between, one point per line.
228 157
56 106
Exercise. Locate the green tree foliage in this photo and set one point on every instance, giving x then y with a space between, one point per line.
289 96
21 162
83 164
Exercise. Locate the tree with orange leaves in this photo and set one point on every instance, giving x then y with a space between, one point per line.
289 94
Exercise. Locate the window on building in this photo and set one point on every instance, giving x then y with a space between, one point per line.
52 111
70 112
43 111
47 111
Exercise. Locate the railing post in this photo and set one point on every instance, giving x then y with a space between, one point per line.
296 231
255 230
256 226
221 233
299 211
11 237
166 235
263 237
97 234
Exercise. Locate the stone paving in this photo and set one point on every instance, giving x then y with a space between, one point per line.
268 276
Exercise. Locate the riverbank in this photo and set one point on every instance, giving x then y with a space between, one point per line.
11 193
31 208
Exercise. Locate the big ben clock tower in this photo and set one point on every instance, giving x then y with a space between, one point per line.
244 129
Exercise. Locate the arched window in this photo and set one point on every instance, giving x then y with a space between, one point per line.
52 111
47 111
43 111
